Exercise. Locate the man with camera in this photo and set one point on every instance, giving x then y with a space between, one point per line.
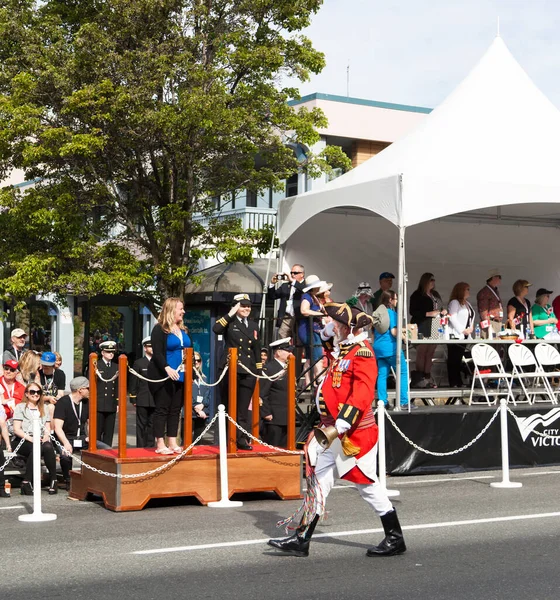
289 293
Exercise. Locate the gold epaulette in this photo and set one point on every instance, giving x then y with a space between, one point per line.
222 322
364 351
259 366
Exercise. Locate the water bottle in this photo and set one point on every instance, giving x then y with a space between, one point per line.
529 333
477 332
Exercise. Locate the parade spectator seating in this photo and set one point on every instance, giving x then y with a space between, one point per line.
487 366
548 359
526 368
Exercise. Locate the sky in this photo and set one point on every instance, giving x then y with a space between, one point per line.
417 51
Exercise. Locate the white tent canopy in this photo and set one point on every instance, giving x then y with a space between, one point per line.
492 142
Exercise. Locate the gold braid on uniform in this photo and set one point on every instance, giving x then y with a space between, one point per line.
364 351
223 322
348 413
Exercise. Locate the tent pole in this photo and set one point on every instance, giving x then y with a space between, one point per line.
401 304
262 315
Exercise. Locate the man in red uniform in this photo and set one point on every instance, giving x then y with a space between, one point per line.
344 400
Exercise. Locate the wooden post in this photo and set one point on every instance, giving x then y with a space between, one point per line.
187 398
291 433
232 400
256 411
92 372
123 372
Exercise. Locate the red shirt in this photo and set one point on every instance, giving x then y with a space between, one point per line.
16 393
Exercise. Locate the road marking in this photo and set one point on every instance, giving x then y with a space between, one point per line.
353 532
11 507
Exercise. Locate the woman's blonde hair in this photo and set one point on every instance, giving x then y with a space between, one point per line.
41 403
166 316
29 364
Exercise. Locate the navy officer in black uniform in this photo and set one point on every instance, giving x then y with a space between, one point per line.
141 397
240 332
107 390
274 394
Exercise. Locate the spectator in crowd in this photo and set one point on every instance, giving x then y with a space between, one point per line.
107 392
53 380
33 406
58 362
519 308
426 307
556 308
363 300
29 366
544 319
489 303
200 397
240 332
311 308
264 356
18 337
71 416
289 293
4 443
385 346
169 339
385 284
461 326
11 389
141 397
274 395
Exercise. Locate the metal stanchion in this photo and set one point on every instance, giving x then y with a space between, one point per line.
505 483
381 450
37 515
224 502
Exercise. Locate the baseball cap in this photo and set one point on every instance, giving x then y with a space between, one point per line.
48 359
543 292
18 332
13 364
386 275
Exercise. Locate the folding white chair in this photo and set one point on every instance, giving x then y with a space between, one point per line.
548 356
483 355
525 367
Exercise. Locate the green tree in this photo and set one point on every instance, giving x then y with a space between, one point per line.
133 114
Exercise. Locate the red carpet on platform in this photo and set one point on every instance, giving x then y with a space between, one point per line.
150 453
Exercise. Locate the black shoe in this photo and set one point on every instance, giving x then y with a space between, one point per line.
26 488
394 541
67 484
298 543
244 446
4 493
53 488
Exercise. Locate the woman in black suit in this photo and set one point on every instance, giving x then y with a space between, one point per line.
426 306
169 339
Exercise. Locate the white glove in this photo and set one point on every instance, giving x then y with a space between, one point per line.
328 331
342 426
313 451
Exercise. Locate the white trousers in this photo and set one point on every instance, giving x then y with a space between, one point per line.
372 493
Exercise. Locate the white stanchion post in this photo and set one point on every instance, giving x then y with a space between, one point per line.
381 450
505 483
37 515
225 502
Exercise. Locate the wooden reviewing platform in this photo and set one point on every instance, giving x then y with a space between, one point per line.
196 474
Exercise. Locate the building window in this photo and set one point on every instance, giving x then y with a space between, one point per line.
292 186
251 199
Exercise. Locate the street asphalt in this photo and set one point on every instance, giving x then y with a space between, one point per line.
466 540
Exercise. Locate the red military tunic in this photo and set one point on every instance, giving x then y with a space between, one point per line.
347 393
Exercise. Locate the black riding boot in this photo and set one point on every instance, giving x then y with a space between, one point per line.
394 540
298 543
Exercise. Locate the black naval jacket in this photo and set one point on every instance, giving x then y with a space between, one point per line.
245 339
107 392
138 389
274 394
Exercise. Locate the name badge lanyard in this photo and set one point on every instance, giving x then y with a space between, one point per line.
78 417
497 298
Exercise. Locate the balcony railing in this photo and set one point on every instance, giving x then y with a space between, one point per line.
251 218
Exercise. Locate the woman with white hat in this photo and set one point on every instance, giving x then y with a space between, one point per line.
310 323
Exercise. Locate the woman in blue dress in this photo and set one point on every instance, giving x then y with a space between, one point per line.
169 338
386 345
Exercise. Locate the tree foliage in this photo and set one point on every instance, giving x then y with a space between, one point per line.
133 114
